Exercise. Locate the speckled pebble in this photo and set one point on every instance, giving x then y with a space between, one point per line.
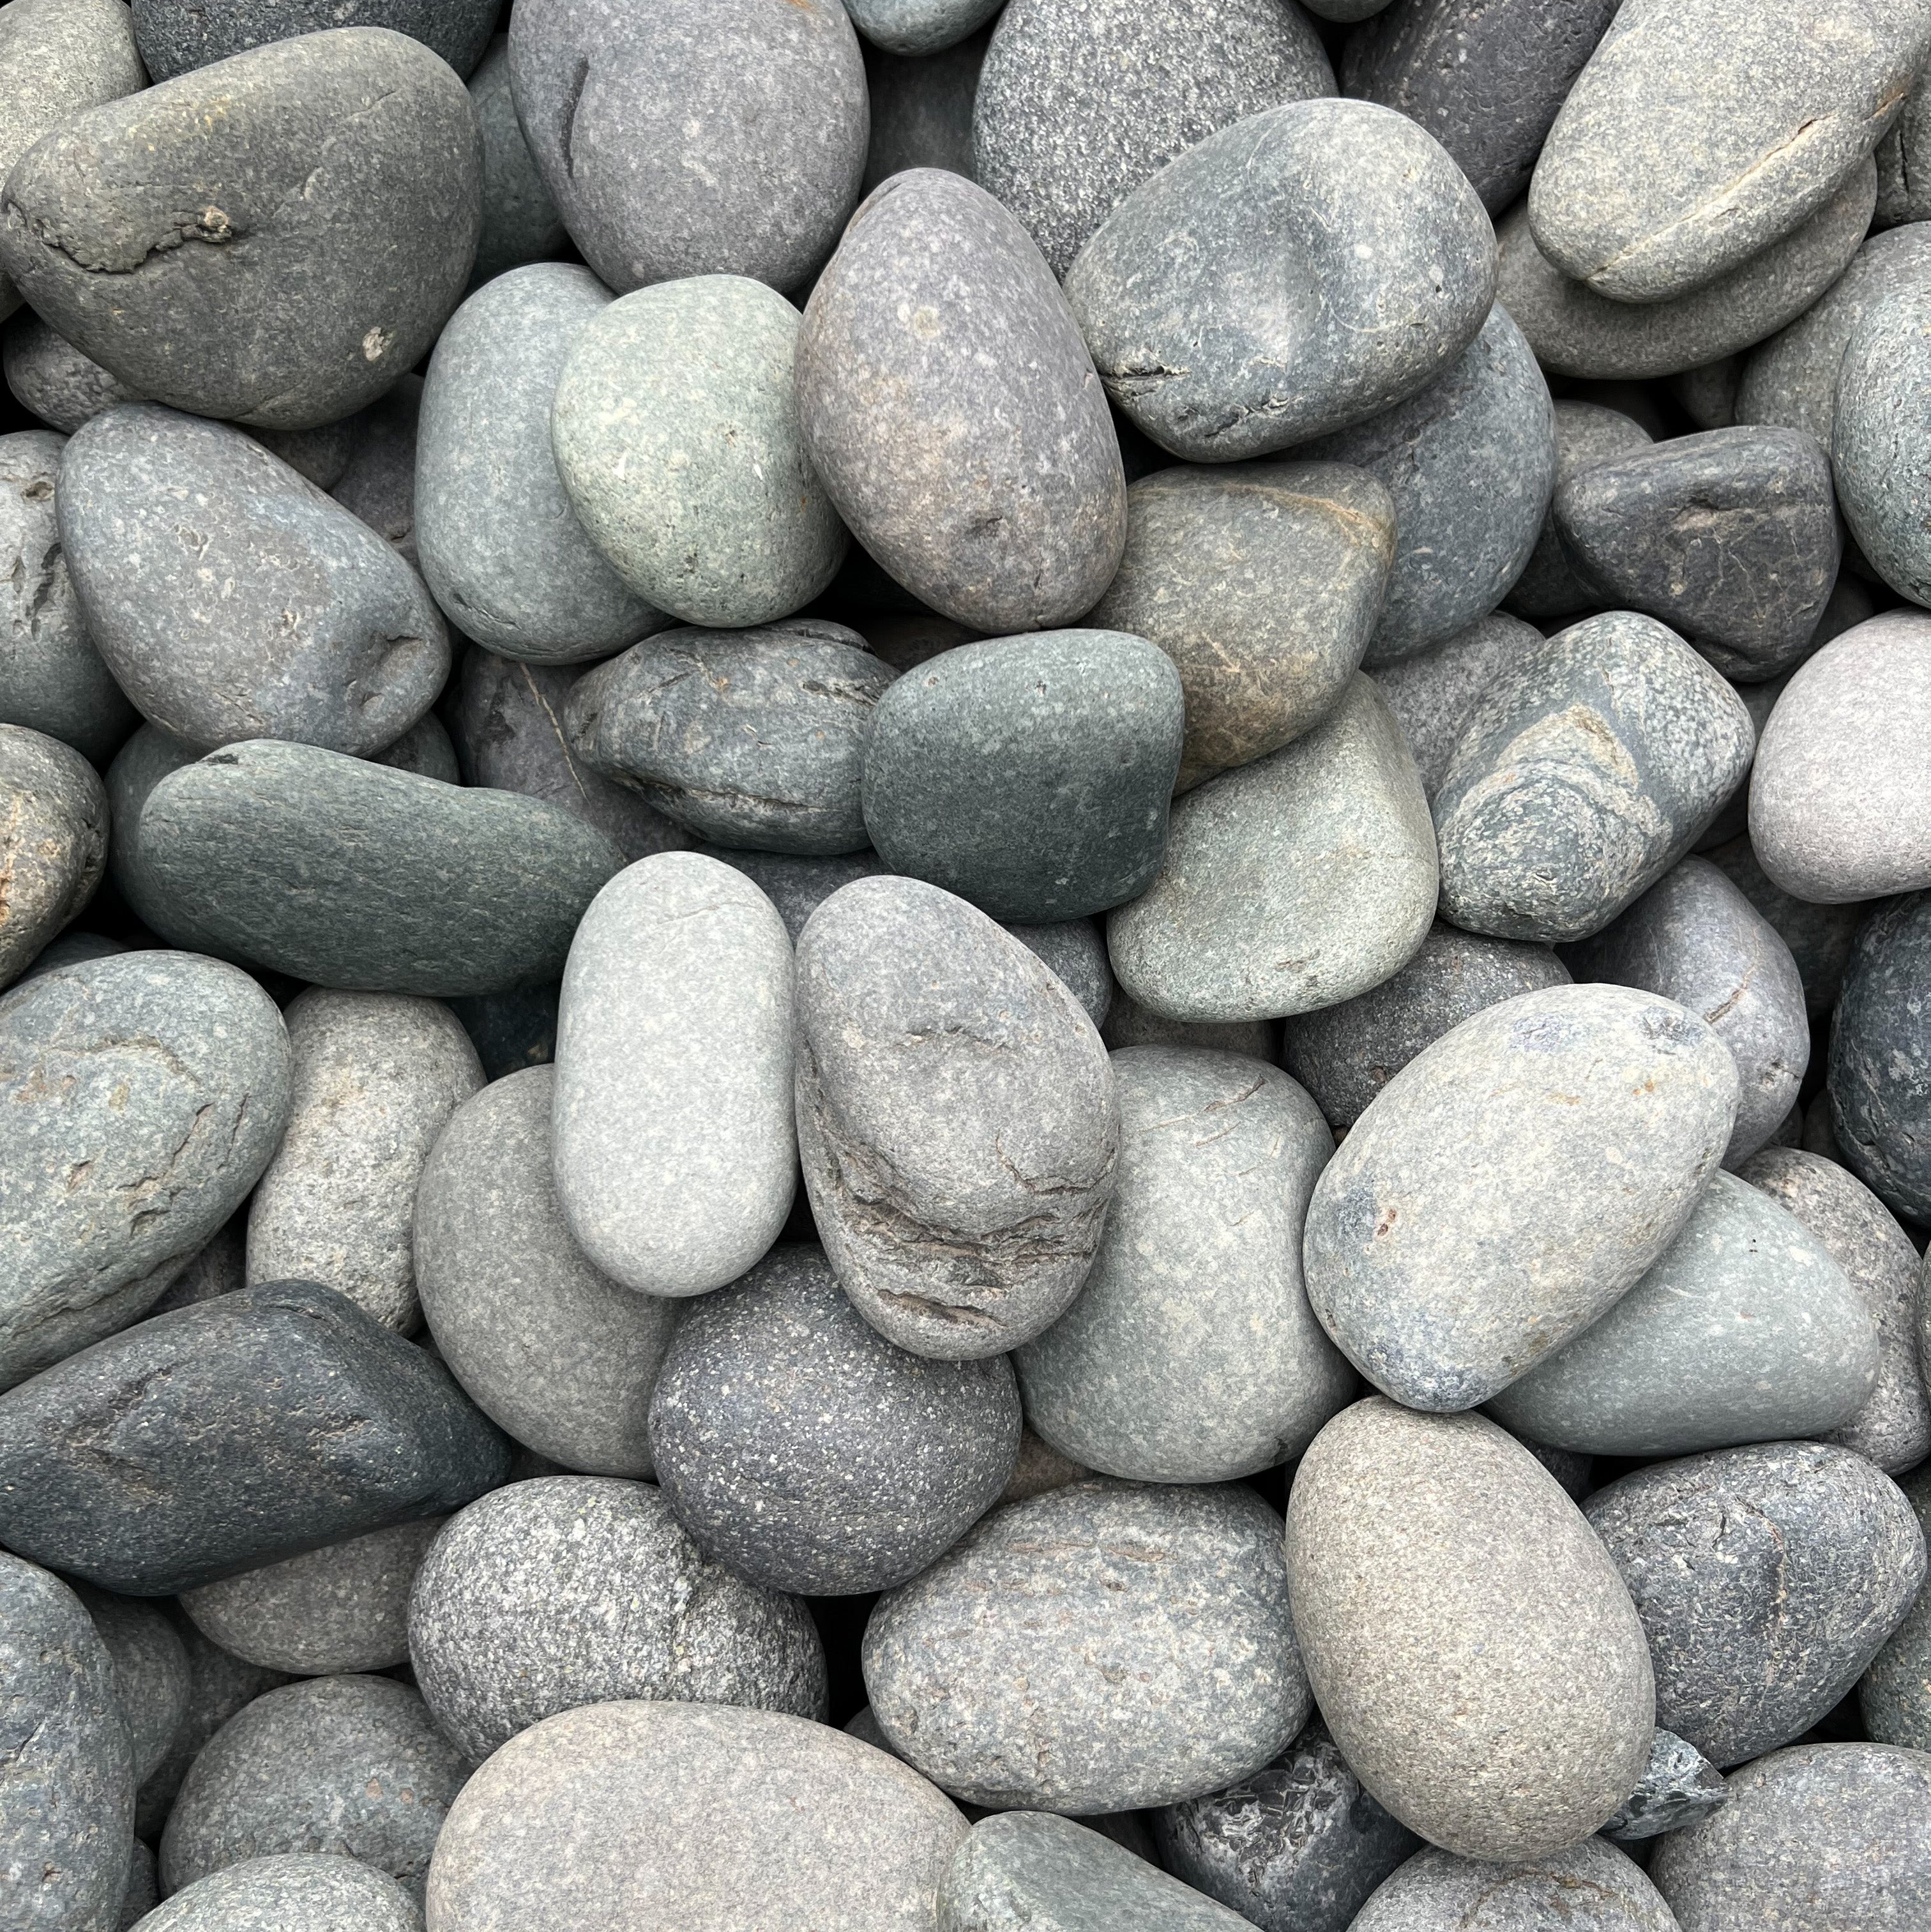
1591 1886
291 1891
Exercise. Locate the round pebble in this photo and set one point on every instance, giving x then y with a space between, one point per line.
290 1891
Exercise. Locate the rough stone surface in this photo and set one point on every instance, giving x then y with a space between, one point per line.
1680 1787
1591 1886
520 223
1482 1670
1477 1216
1895 1695
1901 173
290 1891
150 1673
1819 936
1433 694
1213 361
1165 1667
921 109
1767 1578
1878 1085
159 1459
973 454
1586 434
576 1590
53 841
51 379
174 39
328 280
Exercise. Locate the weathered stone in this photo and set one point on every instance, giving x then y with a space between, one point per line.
1877 441
1214 361
50 377
1586 434
290 1891
1481 1667
53 841
1895 1695
1590 1883
1819 936
1901 170
150 1669
921 109
174 39
1680 1787
520 223
377 484
1433 694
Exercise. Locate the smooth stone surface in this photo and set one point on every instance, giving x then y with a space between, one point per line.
290 1891
149 756
499 542
673 1148
376 1078
425 750
1295 882
1894 1697
347 873
733 1818
1433 694
1510 1183
1165 1667
1482 1670
674 429
1190 1355
1214 360
1590 1886
1344 1055
1586 434
804 1451
921 109
353 1765
956 1120
576 1590
145 1093
154 1461
1767 1578
1079 103
53 841
971 455
1745 1330
1819 936
51 378
520 223
1823 1836
918 26
1588 770
1733 817
329 281
1030 774
1262 583
174 39
151 1674
1469 463
751 737
1680 1787
555 1352
72 949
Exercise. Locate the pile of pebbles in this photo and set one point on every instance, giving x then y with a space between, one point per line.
966 966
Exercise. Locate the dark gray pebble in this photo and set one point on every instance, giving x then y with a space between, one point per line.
378 483
1433 694
51 378
149 756
143 1891
797 886
53 842
1679 1786
1586 434
174 39
1894 1698
1820 936
151 1675
1075 948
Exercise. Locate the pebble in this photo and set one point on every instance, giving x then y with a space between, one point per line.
53 841
1152 1374
1591 1883
1766 1576
1076 949
921 107
218 1685
972 453
1819 936
290 1891
1899 155
1434 693
230 1434
347 271
919 27
425 751
1030 774
520 223
173 41
802 1449
1469 1642
1386 274
1128 1024
1586 434
1680 1787
1295 882
1894 1697
1166 1667
377 484
798 886
956 1120
575 1590
151 1674
1510 1184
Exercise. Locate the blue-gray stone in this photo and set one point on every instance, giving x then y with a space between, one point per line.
1433 694
1586 433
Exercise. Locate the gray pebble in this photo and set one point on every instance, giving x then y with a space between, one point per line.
1767 1578
1878 440
72 949
674 1149
1468 1226
320 453
1345 11
1382 271
1586 434
330 281
1433 694
53 842
1901 170
1819 936
377 484
1129 1024
1165 1667
1295 882
1590 1883
798 886
1733 816
956 1120
291 1891
520 223
149 756
1040 1468
971 454
919 26
1708 393
174 39
425 750
921 109
51 379
1680 1787
1894 1697
1470 1644
143 1892
151 1683
1075 948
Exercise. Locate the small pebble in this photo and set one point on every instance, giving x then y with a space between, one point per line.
151 1683
1586 434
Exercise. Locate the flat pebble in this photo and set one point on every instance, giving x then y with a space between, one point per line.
1590 1884
151 1683
1679 1785
1434 693
1894 1697
520 223
290 1891
53 841
1586 434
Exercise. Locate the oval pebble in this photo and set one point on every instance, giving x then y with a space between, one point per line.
53 842
1592 1885
914 27
290 1891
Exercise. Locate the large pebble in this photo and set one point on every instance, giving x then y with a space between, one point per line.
1586 434
971 453
1894 1697
1590 1886
152 1682
1165 1667
520 223
173 39
53 842
229 195
1433 694
290 1891
1470 1645
1381 269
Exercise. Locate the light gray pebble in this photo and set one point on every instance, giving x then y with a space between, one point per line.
1877 441
151 1683
1435 1890
1586 434
291 1891
1679 1785
919 26
53 842
1434 693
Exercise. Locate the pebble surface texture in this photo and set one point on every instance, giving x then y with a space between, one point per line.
1098 1649
694 137
66 1801
150 1667
1680 1787
1079 103
219 1685
549 1349
1586 434
53 841
1264 585
1477 1216
673 1149
144 1093
1433 694
728 1819
575 1590
971 453
1214 361
377 1077
1482 1670
1589 1887
1030 774
174 39
674 429
230 1434
348 875
1894 1699
1295 882
353 1765
312 283
1767 1578
803 1450
956 1120
1152 1374
1825 1836
290 1891
1586 772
